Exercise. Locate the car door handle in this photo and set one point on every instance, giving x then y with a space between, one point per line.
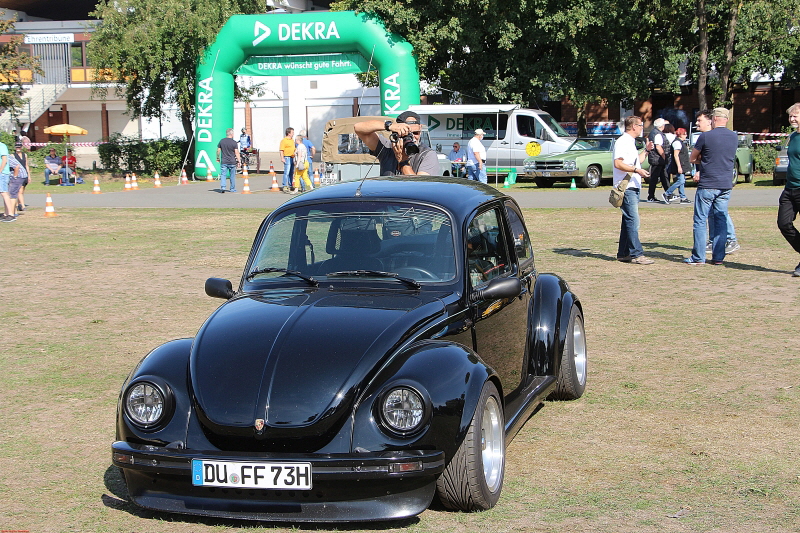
519 143
503 142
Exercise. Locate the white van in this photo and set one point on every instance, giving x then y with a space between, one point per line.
512 133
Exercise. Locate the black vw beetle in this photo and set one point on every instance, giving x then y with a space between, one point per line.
387 340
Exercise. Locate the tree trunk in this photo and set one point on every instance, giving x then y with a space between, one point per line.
188 130
702 71
725 74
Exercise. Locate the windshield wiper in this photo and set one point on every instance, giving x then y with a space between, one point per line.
375 273
256 272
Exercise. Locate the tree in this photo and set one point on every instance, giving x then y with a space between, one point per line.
153 46
736 39
12 62
521 51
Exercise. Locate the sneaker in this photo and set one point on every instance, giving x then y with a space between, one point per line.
666 197
651 200
8 218
626 259
708 246
285 189
690 261
685 200
731 246
716 263
293 191
232 190
796 273
642 260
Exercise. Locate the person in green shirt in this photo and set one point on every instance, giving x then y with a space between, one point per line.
789 203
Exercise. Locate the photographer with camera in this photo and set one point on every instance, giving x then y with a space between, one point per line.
402 153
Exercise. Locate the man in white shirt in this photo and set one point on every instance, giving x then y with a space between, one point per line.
476 155
628 160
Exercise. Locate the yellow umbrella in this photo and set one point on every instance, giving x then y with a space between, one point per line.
65 129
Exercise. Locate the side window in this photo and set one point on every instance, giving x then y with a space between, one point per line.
487 252
528 126
522 243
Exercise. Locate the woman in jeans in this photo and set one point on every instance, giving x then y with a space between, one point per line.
679 167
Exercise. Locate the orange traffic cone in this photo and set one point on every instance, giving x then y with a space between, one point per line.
156 180
128 186
246 188
134 183
316 177
184 179
96 189
209 176
49 210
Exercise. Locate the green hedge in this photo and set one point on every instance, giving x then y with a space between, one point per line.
123 153
764 157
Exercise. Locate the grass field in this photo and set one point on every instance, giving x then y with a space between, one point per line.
689 422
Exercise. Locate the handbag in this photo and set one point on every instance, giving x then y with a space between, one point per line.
617 195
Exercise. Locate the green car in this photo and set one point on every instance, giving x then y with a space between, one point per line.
588 160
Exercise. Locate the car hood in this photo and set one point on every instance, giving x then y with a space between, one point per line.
296 359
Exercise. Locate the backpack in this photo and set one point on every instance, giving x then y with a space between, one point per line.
653 156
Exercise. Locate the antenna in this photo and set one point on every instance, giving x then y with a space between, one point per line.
364 85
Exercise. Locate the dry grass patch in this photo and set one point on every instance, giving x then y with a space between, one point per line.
689 422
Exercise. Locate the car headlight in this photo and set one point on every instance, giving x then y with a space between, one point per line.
403 409
148 403
570 165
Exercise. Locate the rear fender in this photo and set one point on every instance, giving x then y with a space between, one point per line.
169 362
549 316
448 375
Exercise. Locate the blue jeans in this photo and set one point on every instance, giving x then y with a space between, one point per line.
227 172
731 230
629 244
472 171
288 171
48 173
710 204
680 179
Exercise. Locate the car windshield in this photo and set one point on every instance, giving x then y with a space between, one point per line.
598 145
555 126
382 241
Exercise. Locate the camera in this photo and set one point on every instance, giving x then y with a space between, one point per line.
409 144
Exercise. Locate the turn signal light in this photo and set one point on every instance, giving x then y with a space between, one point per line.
401 468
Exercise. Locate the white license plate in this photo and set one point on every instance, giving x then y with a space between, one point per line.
546 174
246 475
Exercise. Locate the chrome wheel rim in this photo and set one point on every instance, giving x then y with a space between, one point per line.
593 177
492 446
579 350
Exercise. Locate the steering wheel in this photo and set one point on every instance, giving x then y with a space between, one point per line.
426 274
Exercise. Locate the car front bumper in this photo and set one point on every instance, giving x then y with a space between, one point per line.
346 487
553 173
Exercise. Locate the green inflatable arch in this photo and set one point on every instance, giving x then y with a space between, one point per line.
251 36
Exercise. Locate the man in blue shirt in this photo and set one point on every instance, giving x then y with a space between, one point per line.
789 203
457 154
715 151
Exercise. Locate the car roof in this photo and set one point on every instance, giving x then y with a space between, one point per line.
457 195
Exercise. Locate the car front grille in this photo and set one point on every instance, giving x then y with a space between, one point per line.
556 164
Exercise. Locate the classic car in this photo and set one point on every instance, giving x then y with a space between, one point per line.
387 340
588 160
781 166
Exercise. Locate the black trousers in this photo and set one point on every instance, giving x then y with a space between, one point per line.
657 173
788 206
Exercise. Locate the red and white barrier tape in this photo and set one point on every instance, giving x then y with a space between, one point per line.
761 134
97 143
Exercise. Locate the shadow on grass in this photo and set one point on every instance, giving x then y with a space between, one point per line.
649 248
119 500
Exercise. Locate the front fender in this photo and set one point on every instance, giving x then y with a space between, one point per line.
170 363
551 305
449 374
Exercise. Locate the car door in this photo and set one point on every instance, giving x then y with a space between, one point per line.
500 325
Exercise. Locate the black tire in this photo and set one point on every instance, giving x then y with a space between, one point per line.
571 381
778 181
544 183
592 177
473 479
748 178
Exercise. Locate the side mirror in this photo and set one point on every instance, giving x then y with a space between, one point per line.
498 289
219 288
